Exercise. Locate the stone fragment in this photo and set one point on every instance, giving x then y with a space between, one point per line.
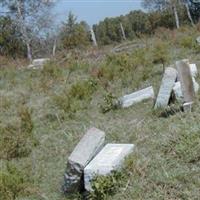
178 92
109 159
128 100
166 87
198 40
187 107
193 70
185 78
84 152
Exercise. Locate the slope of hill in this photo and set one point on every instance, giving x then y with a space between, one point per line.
45 112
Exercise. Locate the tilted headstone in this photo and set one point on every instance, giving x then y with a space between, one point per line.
166 87
109 159
178 92
185 78
128 100
84 152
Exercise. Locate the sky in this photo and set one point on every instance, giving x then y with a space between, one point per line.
93 11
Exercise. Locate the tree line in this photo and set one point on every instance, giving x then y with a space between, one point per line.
27 28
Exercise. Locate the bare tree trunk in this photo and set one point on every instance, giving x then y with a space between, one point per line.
93 38
188 13
123 33
20 23
176 15
54 47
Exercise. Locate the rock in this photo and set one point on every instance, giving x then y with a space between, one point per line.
166 87
178 92
109 159
186 82
128 100
187 107
38 63
86 149
198 40
193 70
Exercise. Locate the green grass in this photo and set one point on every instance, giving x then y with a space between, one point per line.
55 107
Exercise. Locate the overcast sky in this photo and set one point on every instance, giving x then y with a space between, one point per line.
93 11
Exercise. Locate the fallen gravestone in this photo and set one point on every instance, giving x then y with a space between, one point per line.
185 81
136 97
178 92
84 152
166 87
38 63
109 159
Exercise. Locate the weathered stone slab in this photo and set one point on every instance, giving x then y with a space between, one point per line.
38 63
166 87
178 92
193 70
185 80
109 159
86 149
128 100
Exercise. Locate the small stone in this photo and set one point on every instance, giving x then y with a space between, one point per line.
198 40
187 107
84 152
128 100
38 63
109 159
166 87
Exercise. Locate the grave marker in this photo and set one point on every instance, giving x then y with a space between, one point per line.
186 82
109 159
91 143
166 87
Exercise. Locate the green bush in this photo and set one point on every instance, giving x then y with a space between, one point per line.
187 42
13 183
51 69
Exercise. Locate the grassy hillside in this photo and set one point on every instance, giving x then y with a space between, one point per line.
45 112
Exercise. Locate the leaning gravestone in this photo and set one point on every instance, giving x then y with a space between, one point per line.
178 92
185 78
128 100
109 159
193 70
166 87
84 152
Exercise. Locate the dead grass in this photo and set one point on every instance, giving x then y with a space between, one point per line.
166 162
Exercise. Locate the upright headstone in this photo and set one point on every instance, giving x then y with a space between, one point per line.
166 87
109 159
84 152
193 70
187 107
93 37
185 78
128 100
198 40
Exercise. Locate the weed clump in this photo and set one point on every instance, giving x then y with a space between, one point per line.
16 139
13 183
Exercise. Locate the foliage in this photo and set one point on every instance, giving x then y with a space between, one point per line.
16 139
13 183
10 43
74 34
104 186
